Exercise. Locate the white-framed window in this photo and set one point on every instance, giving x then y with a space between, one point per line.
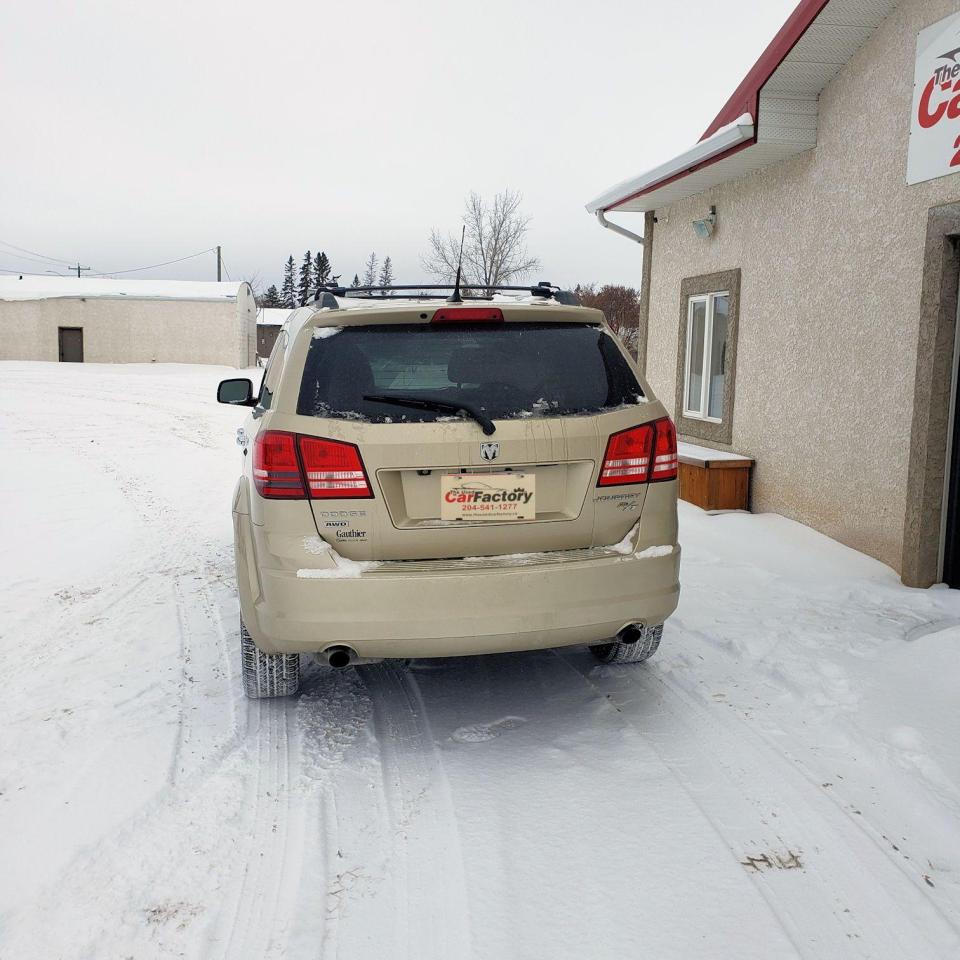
704 377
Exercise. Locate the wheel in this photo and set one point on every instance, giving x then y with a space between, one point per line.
619 651
267 674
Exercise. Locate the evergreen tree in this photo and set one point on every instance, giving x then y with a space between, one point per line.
305 287
370 271
356 281
271 298
288 294
386 273
322 271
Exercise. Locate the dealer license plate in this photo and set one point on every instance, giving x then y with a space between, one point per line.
488 496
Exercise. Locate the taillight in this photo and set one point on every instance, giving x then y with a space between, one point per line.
276 472
468 315
665 451
640 454
627 459
334 469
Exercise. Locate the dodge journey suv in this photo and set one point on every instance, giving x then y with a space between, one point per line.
426 478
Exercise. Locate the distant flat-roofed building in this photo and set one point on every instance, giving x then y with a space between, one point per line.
94 320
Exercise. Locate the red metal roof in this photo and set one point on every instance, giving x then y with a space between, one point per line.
780 95
746 98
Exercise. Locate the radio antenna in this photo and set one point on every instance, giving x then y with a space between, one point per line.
455 296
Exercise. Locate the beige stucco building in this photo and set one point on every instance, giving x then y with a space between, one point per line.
96 320
808 319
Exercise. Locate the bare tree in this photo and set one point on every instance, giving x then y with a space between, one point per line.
621 307
256 284
494 250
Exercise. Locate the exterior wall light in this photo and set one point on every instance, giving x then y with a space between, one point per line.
704 228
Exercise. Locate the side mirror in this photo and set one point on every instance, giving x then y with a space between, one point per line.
236 392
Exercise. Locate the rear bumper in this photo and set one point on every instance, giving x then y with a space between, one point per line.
426 610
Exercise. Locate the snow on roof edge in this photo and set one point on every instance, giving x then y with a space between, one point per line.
33 287
732 135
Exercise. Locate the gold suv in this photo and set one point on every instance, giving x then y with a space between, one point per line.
425 478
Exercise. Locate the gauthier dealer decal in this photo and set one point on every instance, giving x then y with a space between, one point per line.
934 149
487 496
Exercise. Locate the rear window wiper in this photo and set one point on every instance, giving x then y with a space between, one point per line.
440 406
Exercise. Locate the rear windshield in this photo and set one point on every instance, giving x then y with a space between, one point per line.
507 371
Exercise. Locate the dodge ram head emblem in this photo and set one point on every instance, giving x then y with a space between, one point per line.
489 451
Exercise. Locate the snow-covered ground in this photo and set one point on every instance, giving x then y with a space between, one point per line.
781 781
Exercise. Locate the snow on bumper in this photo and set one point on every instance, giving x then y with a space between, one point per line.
423 609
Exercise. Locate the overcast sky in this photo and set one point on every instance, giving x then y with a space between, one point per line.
142 132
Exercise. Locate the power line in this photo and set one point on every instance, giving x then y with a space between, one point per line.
33 253
27 273
44 260
153 266
223 264
43 263
21 256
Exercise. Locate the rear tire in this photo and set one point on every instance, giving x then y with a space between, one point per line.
267 674
643 648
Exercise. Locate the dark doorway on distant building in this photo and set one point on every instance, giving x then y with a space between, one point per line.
71 344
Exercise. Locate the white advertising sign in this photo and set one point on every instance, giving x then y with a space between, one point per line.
934 149
488 496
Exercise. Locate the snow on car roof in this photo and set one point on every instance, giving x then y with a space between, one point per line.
33 287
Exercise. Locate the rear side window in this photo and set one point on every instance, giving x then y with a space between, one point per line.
507 371
271 376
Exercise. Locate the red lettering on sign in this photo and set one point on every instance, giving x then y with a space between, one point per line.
925 117
955 162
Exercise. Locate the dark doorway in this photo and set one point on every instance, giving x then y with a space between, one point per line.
71 344
951 529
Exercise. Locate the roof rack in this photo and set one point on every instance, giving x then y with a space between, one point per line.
420 291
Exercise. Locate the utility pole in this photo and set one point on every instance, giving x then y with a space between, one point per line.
79 268
219 261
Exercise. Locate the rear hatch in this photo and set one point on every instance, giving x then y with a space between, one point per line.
473 438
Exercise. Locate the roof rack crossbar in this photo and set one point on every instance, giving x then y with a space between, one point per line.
538 290
421 291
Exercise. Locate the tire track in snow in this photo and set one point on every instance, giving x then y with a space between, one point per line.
188 564
338 770
209 723
854 827
759 803
171 828
430 909
259 924
273 827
